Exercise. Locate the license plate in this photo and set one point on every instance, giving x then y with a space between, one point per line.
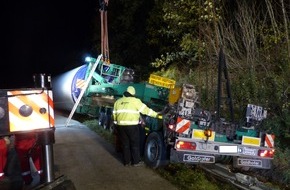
198 158
248 151
249 162
228 149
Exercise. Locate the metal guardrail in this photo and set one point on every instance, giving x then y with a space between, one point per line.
238 180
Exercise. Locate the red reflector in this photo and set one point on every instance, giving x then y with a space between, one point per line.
267 153
182 145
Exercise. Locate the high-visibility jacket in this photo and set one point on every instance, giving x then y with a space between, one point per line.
127 111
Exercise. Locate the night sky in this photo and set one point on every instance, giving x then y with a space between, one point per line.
43 36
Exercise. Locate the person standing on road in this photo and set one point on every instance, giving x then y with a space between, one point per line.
126 116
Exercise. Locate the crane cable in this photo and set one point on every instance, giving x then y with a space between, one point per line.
104 31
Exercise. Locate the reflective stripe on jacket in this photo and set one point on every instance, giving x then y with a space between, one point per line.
127 111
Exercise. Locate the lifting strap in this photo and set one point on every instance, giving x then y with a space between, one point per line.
104 30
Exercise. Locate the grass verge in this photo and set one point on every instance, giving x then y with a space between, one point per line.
185 177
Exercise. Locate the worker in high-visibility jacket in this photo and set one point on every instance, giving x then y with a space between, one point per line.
126 116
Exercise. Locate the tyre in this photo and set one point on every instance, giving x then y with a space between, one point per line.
155 151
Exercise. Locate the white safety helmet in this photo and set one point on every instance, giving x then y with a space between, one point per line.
131 90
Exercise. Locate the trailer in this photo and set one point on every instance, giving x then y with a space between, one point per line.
187 133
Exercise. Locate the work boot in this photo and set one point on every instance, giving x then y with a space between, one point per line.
127 164
141 163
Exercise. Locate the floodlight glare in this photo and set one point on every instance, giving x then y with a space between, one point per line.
90 59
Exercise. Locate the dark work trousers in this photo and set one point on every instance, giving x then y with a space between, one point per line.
129 136
142 133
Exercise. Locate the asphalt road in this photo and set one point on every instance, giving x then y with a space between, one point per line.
92 163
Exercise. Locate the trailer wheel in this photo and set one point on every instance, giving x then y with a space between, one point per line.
155 151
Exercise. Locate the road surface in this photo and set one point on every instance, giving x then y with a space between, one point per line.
92 163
